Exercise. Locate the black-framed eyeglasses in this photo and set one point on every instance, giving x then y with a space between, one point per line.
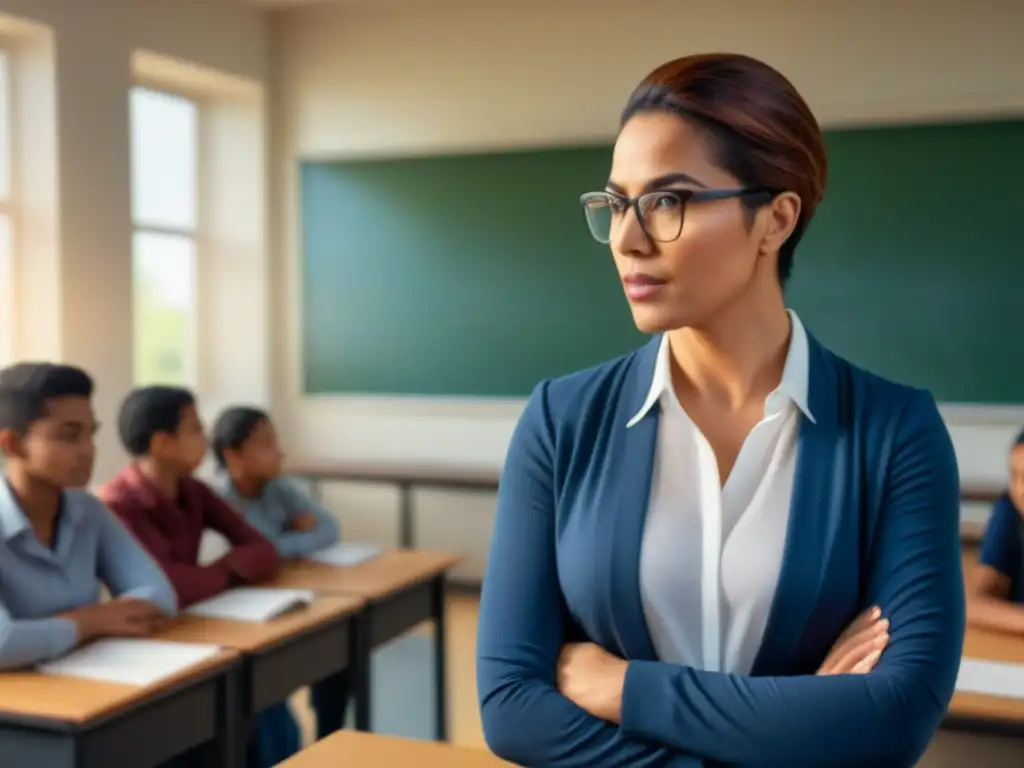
660 213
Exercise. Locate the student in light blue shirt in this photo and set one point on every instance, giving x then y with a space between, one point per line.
58 544
250 460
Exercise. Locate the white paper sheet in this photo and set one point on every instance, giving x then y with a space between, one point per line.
252 603
132 661
346 553
992 678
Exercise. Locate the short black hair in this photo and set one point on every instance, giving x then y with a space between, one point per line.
1020 439
233 427
147 411
25 389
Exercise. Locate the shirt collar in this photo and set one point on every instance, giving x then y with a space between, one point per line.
793 386
13 521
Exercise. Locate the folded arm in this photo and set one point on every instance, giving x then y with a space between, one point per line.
192 583
127 569
252 557
522 628
886 717
305 543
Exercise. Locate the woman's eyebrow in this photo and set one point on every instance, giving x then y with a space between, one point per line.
658 183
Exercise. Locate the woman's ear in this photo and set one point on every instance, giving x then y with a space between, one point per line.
10 444
783 215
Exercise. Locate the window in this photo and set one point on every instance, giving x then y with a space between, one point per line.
8 304
165 165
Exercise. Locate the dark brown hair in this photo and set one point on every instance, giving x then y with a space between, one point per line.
760 129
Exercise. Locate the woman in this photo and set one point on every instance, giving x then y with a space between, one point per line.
996 599
683 533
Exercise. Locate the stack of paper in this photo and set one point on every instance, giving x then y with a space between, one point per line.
253 603
346 553
991 678
129 661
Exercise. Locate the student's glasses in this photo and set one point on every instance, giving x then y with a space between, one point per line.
660 213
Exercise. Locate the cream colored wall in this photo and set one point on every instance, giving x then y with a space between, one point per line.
498 75
73 269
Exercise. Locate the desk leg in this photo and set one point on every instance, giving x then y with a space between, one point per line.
360 669
228 748
437 599
407 535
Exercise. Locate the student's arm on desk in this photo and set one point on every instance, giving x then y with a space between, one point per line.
886 717
191 582
988 594
127 569
304 543
252 557
522 628
26 642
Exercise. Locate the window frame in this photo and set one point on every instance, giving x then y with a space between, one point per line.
8 210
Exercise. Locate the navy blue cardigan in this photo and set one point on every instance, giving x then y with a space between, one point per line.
874 521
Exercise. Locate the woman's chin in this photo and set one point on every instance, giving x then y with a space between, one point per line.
651 319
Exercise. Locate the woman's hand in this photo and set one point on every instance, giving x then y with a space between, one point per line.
860 647
592 679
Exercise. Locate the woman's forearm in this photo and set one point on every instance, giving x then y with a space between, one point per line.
992 613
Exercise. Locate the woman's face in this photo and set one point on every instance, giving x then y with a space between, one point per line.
1017 478
717 258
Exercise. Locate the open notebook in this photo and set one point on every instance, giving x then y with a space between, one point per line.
253 603
346 553
992 678
131 661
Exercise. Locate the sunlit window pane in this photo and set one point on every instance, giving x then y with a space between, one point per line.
164 135
164 307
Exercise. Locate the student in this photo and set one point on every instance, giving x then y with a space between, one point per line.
249 458
59 543
996 596
168 510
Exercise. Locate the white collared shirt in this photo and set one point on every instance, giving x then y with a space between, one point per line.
711 555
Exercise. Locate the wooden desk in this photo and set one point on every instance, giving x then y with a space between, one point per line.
402 588
363 750
50 721
975 711
405 477
279 656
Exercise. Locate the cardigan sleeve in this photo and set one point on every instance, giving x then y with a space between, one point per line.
523 623
884 718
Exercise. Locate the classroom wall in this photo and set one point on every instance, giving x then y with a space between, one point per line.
73 268
457 77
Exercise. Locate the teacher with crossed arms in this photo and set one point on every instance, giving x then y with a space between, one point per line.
730 546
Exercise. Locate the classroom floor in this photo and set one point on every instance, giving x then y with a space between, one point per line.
465 718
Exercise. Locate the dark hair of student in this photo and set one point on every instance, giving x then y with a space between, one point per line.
757 124
233 427
1020 439
25 389
148 411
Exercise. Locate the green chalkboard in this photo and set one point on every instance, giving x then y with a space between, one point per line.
474 275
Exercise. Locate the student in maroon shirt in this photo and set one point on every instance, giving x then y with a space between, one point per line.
168 510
